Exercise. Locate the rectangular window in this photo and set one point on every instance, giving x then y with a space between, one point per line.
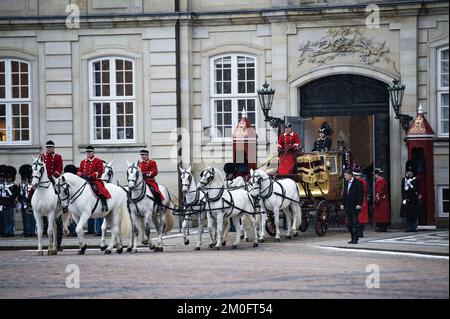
112 100
443 200
233 91
15 102
442 92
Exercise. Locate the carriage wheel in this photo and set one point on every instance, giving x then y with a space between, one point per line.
305 222
270 225
323 212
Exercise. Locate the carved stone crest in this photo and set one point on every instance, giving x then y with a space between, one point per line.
341 42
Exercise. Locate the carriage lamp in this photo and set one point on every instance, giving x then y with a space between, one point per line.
265 96
396 92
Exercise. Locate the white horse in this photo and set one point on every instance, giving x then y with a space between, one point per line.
226 204
45 203
144 208
245 224
76 194
275 196
194 203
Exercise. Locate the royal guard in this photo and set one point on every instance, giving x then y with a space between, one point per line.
53 162
411 197
381 207
288 149
91 168
150 171
345 153
323 143
29 223
363 216
8 197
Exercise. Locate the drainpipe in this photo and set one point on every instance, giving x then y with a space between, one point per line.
178 101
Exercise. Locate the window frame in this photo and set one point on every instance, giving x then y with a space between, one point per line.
112 99
234 96
8 101
440 90
440 198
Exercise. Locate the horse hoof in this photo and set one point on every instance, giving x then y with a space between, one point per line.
224 243
288 237
217 248
234 247
156 249
246 240
107 252
197 248
80 252
211 245
255 245
152 247
277 240
296 234
40 253
129 249
120 250
145 242
186 242
102 248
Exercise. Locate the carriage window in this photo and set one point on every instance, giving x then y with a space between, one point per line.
330 163
15 102
112 100
442 91
233 89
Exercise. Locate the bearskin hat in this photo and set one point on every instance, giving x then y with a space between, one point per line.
2 170
11 172
229 168
410 166
25 171
70 168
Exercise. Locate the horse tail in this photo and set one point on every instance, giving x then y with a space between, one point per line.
169 219
125 224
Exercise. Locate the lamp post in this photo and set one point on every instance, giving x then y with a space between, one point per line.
265 96
396 92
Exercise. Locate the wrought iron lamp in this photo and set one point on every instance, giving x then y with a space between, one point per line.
396 92
265 96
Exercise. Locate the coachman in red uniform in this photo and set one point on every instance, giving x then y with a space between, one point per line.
53 162
91 169
288 146
363 217
381 207
150 171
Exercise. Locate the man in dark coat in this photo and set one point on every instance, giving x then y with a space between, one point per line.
410 197
352 199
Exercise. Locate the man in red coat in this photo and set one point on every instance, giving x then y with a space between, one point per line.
288 146
53 162
381 207
150 171
363 216
91 168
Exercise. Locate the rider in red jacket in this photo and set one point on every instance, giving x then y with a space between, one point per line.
149 171
91 169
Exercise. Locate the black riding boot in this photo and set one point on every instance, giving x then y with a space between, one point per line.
104 204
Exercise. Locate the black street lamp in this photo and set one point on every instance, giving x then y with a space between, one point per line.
265 96
396 92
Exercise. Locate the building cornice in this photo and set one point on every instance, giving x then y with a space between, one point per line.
253 16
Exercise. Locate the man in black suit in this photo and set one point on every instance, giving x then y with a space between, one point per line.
352 198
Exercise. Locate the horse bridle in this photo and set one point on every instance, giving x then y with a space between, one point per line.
110 174
37 164
210 178
65 186
259 180
135 179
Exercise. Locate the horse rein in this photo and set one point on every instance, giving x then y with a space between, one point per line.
41 171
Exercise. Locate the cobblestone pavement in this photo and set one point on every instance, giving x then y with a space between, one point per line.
305 267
